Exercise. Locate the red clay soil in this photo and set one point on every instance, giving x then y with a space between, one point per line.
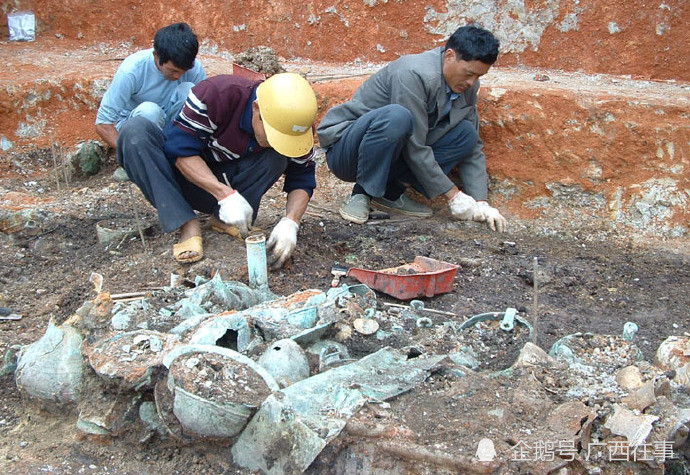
628 37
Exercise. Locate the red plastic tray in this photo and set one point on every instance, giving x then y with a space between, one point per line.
423 277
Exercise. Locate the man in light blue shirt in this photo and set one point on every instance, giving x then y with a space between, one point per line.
153 83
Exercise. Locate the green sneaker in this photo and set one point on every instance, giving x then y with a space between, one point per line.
356 209
403 205
120 175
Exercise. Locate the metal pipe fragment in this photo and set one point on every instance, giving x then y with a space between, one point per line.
256 261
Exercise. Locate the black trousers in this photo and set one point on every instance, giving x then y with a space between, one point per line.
140 151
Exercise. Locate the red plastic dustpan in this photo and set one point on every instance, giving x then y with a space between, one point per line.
425 277
238 70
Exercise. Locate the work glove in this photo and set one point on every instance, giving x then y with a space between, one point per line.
281 243
464 207
492 217
235 211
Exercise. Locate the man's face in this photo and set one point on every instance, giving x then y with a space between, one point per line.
169 70
258 126
461 75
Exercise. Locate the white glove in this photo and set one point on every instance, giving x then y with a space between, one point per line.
235 211
493 218
464 207
282 241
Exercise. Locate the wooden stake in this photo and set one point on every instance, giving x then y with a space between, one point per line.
535 318
136 216
55 165
456 463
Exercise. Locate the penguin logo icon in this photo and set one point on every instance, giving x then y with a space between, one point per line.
485 450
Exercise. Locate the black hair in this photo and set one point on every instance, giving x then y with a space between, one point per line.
176 43
473 43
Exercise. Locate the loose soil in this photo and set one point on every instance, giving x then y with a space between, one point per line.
220 379
584 285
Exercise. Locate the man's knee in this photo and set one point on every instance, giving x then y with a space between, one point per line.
137 130
139 137
397 118
464 135
150 111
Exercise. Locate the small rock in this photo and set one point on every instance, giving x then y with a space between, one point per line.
532 355
120 175
366 326
642 398
629 378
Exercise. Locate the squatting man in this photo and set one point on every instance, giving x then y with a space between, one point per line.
152 83
231 142
410 124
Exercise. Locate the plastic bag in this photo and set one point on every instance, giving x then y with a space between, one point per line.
22 26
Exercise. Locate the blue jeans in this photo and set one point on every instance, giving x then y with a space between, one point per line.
369 153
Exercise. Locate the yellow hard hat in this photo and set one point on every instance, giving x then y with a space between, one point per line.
288 110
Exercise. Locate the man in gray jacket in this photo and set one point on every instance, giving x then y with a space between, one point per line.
410 124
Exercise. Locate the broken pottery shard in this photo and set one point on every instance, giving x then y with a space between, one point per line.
636 428
682 376
222 295
287 316
674 354
97 280
151 419
532 355
92 427
295 424
129 359
304 318
186 310
277 441
467 357
568 418
52 367
117 230
190 324
629 378
674 426
228 329
641 398
311 335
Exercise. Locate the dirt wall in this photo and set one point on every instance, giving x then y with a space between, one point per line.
628 37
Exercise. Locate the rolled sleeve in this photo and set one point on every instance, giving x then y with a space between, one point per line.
300 176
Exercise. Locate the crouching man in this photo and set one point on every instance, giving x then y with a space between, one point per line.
232 140
409 125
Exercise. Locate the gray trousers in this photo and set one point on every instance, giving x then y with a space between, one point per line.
369 153
140 150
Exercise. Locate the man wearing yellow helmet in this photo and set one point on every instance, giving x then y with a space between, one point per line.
232 140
